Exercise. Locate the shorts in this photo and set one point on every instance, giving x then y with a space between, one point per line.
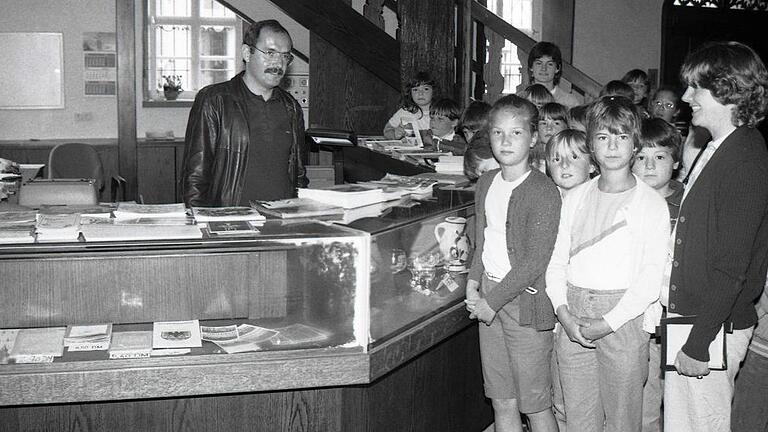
516 360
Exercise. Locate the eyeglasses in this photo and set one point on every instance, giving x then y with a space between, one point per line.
275 55
665 105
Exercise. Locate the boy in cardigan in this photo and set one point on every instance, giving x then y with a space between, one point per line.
517 217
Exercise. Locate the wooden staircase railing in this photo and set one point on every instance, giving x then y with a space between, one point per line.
496 32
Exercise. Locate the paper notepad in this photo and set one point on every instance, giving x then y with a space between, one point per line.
674 333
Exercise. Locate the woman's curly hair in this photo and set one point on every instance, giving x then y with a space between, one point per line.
734 73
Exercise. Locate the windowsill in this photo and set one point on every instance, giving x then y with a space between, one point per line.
179 103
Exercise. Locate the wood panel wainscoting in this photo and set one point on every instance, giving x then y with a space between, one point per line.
159 163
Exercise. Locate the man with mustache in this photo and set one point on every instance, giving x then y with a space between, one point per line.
245 137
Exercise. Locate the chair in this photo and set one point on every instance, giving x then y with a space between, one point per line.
74 161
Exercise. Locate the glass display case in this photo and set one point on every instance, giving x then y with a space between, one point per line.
327 295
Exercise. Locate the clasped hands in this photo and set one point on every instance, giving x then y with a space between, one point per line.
477 306
584 331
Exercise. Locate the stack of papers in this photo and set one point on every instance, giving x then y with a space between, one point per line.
346 195
58 227
142 222
298 208
450 164
130 210
88 337
17 226
207 214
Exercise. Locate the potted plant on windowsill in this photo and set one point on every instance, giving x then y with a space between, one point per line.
171 86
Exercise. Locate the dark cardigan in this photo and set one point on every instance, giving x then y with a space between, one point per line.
721 247
533 216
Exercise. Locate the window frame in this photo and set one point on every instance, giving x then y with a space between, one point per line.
154 96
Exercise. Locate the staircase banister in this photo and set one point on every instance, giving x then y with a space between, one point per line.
577 78
350 33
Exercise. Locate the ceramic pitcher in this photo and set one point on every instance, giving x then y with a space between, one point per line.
453 241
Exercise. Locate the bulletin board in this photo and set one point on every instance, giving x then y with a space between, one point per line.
32 72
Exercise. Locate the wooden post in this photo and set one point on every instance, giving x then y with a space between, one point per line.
126 95
465 50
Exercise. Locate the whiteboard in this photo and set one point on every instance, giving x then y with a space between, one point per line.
32 71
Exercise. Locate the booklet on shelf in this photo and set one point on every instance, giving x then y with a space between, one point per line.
231 228
131 344
7 340
176 334
38 345
88 337
299 333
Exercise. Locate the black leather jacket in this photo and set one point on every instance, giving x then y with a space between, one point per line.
216 144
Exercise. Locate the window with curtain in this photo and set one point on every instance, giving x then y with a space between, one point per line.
191 42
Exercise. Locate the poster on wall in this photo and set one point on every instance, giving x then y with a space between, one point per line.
31 81
100 61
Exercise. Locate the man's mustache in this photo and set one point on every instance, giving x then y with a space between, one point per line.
274 70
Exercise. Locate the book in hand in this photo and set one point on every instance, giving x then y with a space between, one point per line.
231 228
297 208
131 344
176 334
94 337
38 345
208 214
674 334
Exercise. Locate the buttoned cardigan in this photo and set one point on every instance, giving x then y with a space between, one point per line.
533 215
721 245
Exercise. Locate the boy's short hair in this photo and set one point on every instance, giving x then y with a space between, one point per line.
617 88
579 114
478 150
446 107
515 103
734 73
571 138
636 75
655 132
617 114
542 49
554 111
475 116
537 94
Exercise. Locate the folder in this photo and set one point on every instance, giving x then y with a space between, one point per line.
674 334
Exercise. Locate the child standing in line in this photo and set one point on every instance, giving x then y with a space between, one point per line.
605 271
474 119
517 211
568 160
538 95
569 164
414 107
553 118
655 164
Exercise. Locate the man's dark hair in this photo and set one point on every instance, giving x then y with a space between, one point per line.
734 73
617 88
251 35
542 49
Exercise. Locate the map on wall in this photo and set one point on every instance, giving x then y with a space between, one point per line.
99 73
